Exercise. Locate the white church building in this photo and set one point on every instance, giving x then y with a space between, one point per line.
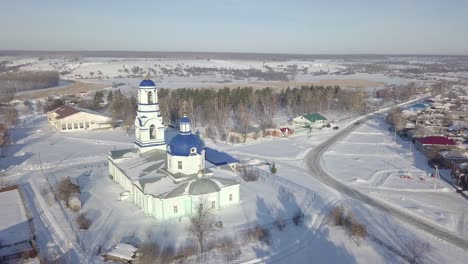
171 180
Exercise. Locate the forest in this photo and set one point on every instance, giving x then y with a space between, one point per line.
28 80
245 106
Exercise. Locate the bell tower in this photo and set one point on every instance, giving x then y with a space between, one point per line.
149 126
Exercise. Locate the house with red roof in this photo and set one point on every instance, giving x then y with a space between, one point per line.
437 142
67 118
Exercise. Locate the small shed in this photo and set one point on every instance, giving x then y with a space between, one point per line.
121 253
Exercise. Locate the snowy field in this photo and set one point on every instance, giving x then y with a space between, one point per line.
369 156
41 155
192 73
369 159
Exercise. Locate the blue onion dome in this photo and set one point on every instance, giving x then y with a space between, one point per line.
147 83
184 119
185 143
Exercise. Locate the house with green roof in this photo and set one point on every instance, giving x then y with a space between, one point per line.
314 120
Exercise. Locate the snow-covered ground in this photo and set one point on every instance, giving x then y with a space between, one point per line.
41 155
371 160
178 73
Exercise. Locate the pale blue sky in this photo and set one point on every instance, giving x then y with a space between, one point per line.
284 26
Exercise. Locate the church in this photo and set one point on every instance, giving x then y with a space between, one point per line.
171 180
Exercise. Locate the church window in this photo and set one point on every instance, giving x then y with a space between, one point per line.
75 125
200 207
230 197
179 165
175 209
81 125
152 132
87 124
69 126
150 97
213 204
64 126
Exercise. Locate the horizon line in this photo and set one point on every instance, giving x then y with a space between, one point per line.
231 53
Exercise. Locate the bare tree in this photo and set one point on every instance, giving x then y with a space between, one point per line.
416 251
244 120
201 223
4 139
128 113
11 117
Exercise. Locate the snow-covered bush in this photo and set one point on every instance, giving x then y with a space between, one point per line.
66 189
83 221
259 233
358 232
298 217
229 249
279 223
248 174
149 252
337 215
186 251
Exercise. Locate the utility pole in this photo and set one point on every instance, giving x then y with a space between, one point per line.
436 176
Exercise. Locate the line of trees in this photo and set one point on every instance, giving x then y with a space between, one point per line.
29 80
122 108
9 119
246 106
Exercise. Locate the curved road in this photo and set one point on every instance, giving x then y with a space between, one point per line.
314 163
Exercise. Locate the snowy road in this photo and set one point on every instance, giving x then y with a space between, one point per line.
314 161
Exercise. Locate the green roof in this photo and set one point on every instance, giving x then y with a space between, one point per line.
314 117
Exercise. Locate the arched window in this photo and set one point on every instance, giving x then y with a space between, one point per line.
152 132
150 97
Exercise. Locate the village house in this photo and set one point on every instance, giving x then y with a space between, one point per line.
314 120
237 134
436 143
279 132
67 118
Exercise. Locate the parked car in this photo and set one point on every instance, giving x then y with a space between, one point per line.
336 127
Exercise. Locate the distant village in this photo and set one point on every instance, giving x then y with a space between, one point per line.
438 127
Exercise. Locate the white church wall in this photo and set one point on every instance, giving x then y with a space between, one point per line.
120 177
190 165
169 212
206 200
229 196
157 211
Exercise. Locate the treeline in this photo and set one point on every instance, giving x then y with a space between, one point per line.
244 106
238 74
121 108
28 80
